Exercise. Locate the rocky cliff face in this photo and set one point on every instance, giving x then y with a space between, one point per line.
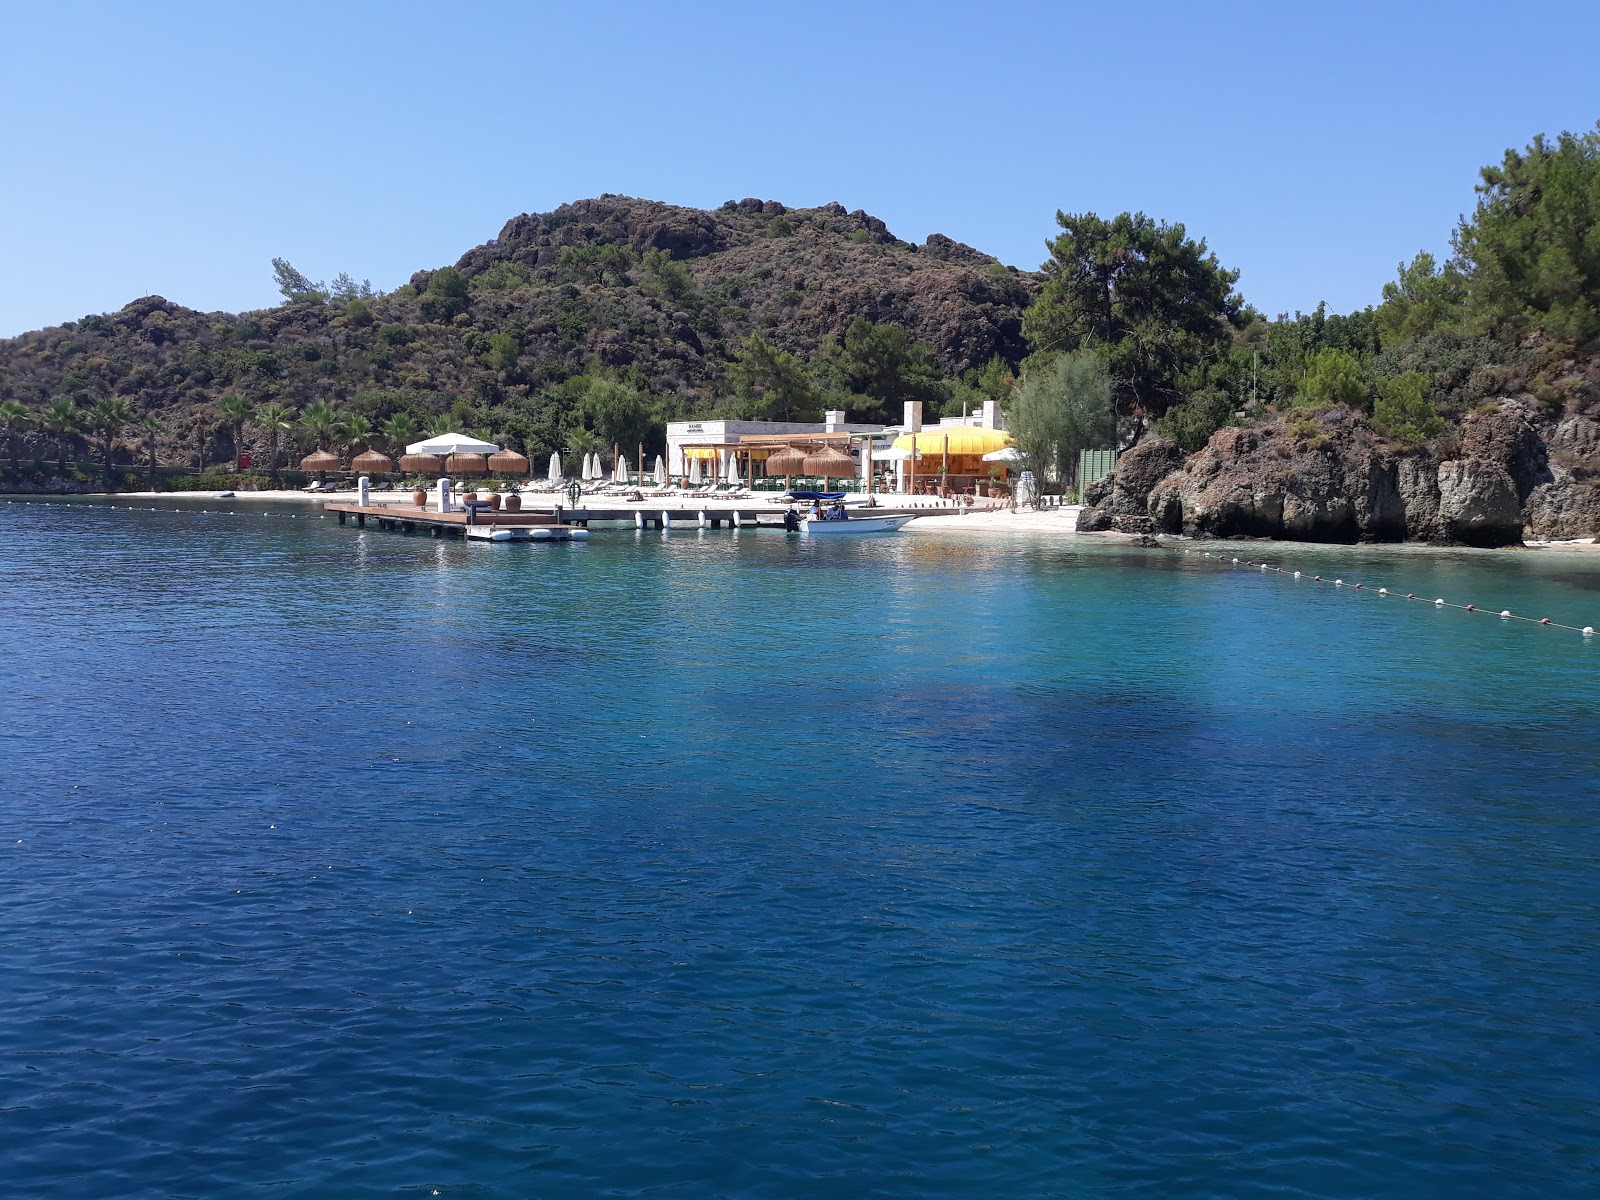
1511 477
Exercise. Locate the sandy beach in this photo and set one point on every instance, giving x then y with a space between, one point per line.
1062 521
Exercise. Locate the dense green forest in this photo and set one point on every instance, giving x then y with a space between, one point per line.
595 324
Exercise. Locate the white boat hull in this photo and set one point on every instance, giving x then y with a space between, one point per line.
854 524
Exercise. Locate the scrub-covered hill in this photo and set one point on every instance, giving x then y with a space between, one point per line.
599 321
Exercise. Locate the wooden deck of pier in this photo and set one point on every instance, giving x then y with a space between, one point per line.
408 518
401 517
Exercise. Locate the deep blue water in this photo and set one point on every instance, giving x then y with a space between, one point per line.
713 864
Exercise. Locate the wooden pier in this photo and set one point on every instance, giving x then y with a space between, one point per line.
564 524
490 525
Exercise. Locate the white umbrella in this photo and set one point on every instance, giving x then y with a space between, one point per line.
732 475
694 470
620 475
586 472
452 443
594 467
661 470
555 468
1004 454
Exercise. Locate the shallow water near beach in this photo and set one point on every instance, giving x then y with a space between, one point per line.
731 864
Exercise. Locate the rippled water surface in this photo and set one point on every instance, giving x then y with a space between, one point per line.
712 864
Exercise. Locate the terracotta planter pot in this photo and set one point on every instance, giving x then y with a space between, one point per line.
419 498
494 500
513 503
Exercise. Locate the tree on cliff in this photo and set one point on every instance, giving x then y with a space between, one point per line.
1153 301
1532 247
1424 297
1059 410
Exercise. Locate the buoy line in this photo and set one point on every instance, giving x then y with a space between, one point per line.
1505 614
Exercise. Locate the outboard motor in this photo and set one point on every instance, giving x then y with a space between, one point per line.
791 521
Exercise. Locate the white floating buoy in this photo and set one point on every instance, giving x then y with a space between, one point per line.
1236 560
1338 583
1588 631
1297 574
1263 566
1505 612
638 520
1383 591
1439 602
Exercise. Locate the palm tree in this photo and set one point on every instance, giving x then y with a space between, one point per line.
354 429
60 419
321 420
275 420
202 434
236 410
14 420
399 431
108 417
441 423
150 425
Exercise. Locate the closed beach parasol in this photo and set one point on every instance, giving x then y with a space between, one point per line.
830 464
372 463
694 470
421 464
554 475
661 470
320 461
508 462
467 464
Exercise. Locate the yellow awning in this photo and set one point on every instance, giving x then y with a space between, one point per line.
963 439
701 452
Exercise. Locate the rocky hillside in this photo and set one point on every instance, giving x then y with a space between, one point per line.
1511 471
660 294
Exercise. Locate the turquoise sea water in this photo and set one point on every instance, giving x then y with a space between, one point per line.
714 864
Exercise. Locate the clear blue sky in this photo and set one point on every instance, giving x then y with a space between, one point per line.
176 148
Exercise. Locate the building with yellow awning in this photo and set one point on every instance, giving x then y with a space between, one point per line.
954 453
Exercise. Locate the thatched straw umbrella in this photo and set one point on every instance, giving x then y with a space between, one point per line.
321 462
786 461
830 463
372 463
509 462
421 464
467 464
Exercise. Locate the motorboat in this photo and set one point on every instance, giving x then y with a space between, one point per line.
836 526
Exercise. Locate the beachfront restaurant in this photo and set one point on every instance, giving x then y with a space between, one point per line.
946 458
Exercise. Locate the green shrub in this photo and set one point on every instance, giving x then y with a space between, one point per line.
1403 410
1332 377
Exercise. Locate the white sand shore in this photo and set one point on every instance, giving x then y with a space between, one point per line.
1050 521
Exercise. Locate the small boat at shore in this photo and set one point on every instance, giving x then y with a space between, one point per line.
839 526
